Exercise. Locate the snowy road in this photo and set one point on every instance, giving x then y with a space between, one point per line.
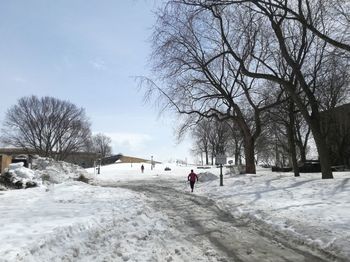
129 216
213 233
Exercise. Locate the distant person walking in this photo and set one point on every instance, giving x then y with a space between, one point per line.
192 177
142 168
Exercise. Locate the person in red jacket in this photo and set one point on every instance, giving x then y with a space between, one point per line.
192 177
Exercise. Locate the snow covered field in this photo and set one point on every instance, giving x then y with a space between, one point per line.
74 221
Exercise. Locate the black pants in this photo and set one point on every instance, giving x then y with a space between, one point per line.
192 185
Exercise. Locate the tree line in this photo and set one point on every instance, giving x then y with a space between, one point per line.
51 127
265 68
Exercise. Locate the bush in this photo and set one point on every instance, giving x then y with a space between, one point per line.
310 166
10 181
281 169
82 178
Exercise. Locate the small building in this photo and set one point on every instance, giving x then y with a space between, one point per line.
5 161
131 159
83 159
12 155
335 124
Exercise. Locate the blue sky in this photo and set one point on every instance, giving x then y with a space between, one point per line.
86 51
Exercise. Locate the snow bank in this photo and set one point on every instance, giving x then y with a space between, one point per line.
44 170
74 221
21 171
206 176
58 171
306 209
18 176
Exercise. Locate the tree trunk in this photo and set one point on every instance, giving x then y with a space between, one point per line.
249 155
277 156
236 158
302 151
322 149
237 153
300 144
249 144
206 158
291 139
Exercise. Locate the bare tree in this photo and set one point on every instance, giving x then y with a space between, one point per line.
219 136
285 135
302 130
283 126
333 82
264 149
328 20
235 142
301 48
199 78
213 137
49 126
204 48
200 132
102 144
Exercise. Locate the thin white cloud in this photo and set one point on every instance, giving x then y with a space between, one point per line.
98 64
19 79
133 141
